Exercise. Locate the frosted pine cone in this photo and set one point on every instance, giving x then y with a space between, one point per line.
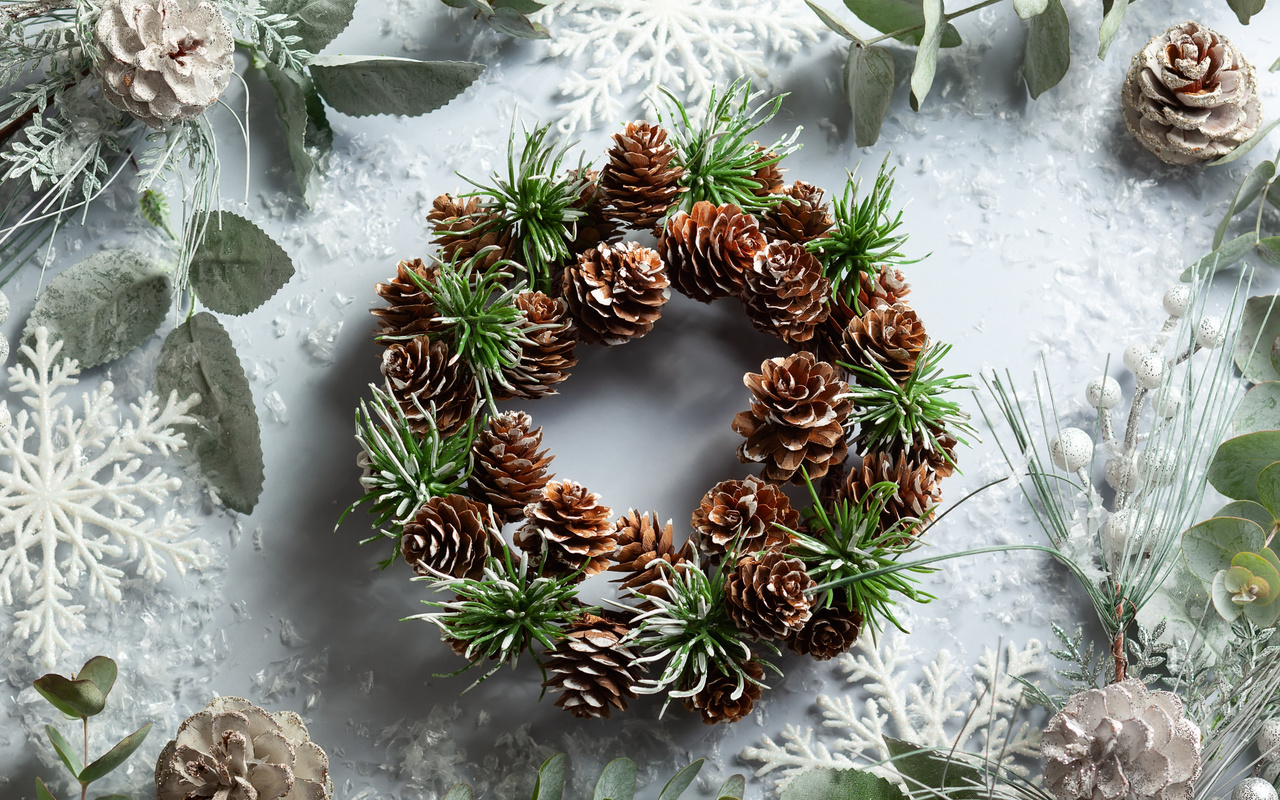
569 529
616 292
163 61
462 229
766 596
642 544
1190 96
449 535
890 336
722 698
830 632
1124 741
510 468
769 175
708 249
918 492
640 180
591 670
548 355
747 515
409 311
424 375
785 292
801 217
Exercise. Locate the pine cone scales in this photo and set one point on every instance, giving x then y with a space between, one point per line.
569 529
747 515
785 292
642 544
640 180
591 670
409 311
708 249
722 699
769 176
597 225
548 355
890 336
449 535
800 218
463 228
766 596
918 492
828 633
510 468
616 292
424 375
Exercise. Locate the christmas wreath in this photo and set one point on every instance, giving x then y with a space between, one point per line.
533 263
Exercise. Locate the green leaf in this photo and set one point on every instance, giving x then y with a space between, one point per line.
1249 190
66 752
199 357
550 783
732 789
680 781
1223 601
832 22
1259 409
1030 8
78 699
1244 148
43 793
237 266
1269 250
514 23
927 56
868 83
523 6
459 792
103 306
1269 489
1225 256
840 784
116 755
306 128
1209 546
319 21
1111 26
102 671
364 85
1245 9
1260 567
1264 616
1247 509
618 781
926 769
1238 462
1259 327
888 16
1048 53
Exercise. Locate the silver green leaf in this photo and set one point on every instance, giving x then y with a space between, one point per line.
680 781
1227 255
513 23
1257 180
1259 409
101 671
891 16
550 782
116 756
1030 8
840 784
927 56
1048 52
1209 546
75 698
832 22
1238 462
237 266
66 753
306 128
1111 25
618 781
459 792
319 21
732 789
1259 327
1269 250
868 82
365 85
42 791
1245 9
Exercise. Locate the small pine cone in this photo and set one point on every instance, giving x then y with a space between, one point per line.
882 291
462 229
616 292
891 336
569 529
640 180
596 226
918 490
708 249
721 699
785 292
409 311
424 374
510 470
746 516
828 633
591 670
766 596
549 356
642 543
769 176
800 218
887 287
798 410
449 535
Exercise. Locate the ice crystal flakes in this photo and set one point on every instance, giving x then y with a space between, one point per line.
83 476
687 46
922 713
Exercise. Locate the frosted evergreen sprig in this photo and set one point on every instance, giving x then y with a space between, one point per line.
273 34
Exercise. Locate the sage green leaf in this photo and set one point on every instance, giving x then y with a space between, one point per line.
832 22
513 23
1048 52
1223 601
102 307
1030 8
65 750
1246 146
840 784
1209 546
732 789
523 6
1249 190
927 56
226 442
116 755
319 21
306 128
1238 462
1247 509
237 267
868 83
1264 616
680 781
618 781
890 16
102 671
1260 567
459 792
1259 327
1111 26
42 791
931 772
1245 9
550 782
1225 256
1269 249
1269 489
365 85
78 699
1259 409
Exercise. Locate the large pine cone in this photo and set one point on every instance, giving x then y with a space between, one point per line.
709 248
510 469
642 543
766 596
801 217
409 311
746 516
423 374
549 354
591 670
785 292
463 228
830 632
798 410
640 180
721 699
569 529
1190 96
449 535
616 292
596 226
891 336
918 494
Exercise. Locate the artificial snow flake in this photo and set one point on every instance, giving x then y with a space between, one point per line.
78 498
687 46
921 713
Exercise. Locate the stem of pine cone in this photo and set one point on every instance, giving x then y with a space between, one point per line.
945 18
1117 653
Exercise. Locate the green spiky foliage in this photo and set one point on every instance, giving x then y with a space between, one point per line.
616 782
865 235
718 152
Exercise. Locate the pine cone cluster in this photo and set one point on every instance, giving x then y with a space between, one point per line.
597 225
510 467
744 516
829 632
591 668
802 216
640 179
890 336
568 530
918 492
616 293
427 380
449 536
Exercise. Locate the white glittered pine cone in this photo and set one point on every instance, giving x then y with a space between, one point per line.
238 751
164 61
1123 742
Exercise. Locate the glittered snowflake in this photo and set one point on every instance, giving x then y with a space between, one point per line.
74 498
687 46
951 705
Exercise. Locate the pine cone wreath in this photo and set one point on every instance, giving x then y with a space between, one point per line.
918 493
510 469
569 530
597 225
640 181
642 544
767 175
798 410
830 632
766 597
463 228
424 375
785 292
708 249
591 669
802 216
409 311
891 336
616 292
722 698
449 535
746 516
548 355
1190 96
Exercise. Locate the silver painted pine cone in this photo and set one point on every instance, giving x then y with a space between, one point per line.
164 61
234 750
1123 742
1190 96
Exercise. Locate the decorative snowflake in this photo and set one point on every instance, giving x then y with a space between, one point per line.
82 477
687 46
921 713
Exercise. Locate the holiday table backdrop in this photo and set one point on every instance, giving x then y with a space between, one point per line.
1050 233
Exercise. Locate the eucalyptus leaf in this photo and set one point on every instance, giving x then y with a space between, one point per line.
116 755
226 441
868 82
1244 148
832 22
43 793
927 56
1111 26
929 772
1247 509
1030 8
459 792
102 671
681 781
840 784
514 23
306 128
550 782
1264 616
618 781
523 6
77 698
1269 250
102 307
732 789
65 750
1259 409
237 266
1238 462
1262 568
890 16
1048 52
1183 603
319 21
1225 256
365 85
1223 601
1245 9
1249 190
1269 489
1209 546
1259 327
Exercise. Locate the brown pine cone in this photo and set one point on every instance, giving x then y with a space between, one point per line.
423 374
722 700
887 287
590 668
510 470
463 228
769 176
798 410
449 535
918 491
828 633
746 516
800 218
640 180
409 311
707 250
616 292
766 596
569 529
597 224
546 360
891 336
642 543
785 292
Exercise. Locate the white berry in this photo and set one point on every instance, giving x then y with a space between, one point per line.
1269 740
1133 354
1115 531
1253 789
1121 474
1177 299
1104 392
1158 466
1168 402
1148 371
1210 333
1071 449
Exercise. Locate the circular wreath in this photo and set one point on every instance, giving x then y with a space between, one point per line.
533 263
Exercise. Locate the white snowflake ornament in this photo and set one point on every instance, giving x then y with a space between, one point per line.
73 498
